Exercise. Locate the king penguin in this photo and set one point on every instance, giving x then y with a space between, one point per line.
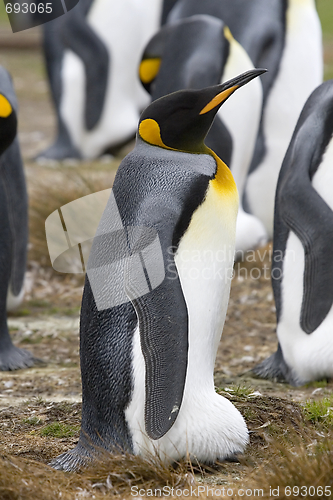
149 333
283 36
13 224
302 272
198 52
91 56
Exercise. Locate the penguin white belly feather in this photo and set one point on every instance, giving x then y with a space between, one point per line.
309 355
208 425
125 97
300 72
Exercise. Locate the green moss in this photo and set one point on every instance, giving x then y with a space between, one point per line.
33 339
20 312
59 430
318 383
39 303
320 411
240 390
34 420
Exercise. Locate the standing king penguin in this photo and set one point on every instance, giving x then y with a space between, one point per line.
91 55
198 52
147 363
13 224
302 272
283 36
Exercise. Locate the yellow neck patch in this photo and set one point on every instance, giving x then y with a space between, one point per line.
149 69
5 107
223 181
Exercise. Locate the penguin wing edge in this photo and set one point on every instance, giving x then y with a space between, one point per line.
163 325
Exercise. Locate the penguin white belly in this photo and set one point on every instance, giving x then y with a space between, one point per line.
208 426
311 355
300 72
124 27
242 119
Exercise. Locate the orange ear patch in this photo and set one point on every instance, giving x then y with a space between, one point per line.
149 68
5 107
150 132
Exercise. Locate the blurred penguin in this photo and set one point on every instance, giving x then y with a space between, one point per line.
199 52
13 224
91 57
302 273
283 36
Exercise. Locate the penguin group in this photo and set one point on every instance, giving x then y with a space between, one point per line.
153 310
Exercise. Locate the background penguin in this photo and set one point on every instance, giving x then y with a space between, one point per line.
283 36
161 399
198 52
91 57
302 273
13 224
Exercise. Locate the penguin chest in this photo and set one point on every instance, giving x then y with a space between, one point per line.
204 261
310 355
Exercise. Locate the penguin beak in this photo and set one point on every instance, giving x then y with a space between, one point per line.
226 89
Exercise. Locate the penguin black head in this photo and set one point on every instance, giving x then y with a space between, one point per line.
8 123
181 120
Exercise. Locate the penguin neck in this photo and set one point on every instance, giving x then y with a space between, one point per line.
223 181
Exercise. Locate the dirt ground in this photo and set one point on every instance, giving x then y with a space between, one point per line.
40 407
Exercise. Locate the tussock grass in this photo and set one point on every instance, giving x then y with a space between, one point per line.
300 471
49 192
112 476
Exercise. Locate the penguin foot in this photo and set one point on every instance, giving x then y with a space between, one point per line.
58 153
72 460
231 459
16 359
275 368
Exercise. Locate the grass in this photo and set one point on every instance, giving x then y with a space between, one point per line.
320 411
237 390
59 430
34 420
64 188
302 471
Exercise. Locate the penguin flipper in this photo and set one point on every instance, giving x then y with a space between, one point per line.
81 39
17 203
306 213
163 324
